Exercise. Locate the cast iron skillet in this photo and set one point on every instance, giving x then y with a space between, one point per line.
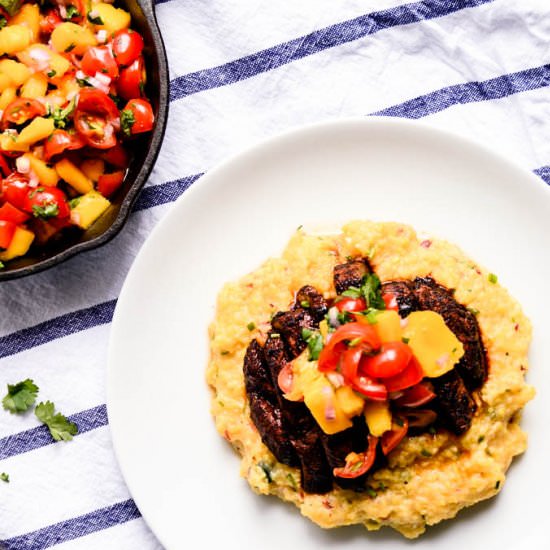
144 150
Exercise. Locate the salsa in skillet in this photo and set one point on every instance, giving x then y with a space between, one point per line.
72 80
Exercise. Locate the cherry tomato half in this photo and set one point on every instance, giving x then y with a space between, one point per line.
405 379
49 21
390 300
21 110
127 46
416 396
392 359
99 59
48 202
107 184
393 437
7 229
9 213
117 156
357 332
137 117
358 464
347 303
15 189
131 81
96 118
285 378
60 141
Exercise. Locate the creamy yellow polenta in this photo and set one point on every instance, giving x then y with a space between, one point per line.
429 477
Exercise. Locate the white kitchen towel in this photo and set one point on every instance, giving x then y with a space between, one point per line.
241 71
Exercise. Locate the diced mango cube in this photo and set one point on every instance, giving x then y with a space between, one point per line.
320 399
8 142
14 38
19 246
18 72
388 326
39 128
70 37
45 174
7 96
432 342
28 16
113 19
378 417
36 86
93 168
73 176
90 206
350 403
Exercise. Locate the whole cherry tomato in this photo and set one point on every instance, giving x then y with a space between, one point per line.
48 202
127 46
99 59
131 80
137 117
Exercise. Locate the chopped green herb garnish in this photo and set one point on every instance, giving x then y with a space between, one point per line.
5 477
372 293
127 120
493 278
480 438
314 342
61 116
95 20
70 47
45 211
251 326
497 484
473 311
20 396
224 352
305 303
72 11
425 453
2 266
275 335
299 228
60 428
405 340
51 74
352 292
73 203
83 82
343 317
399 421
292 481
267 471
371 492
3 22
371 316
432 430
354 342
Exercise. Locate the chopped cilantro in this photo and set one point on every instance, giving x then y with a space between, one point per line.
60 428
354 342
251 326
497 484
371 492
492 278
127 120
5 477
399 421
3 22
305 303
224 352
95 20
83 82
371 292
292 481
45 211
371 316
480 439
343 317
2 266
267 471
61 116
73 203
275 335
20 396
72 11
352 292
425 453
314 342
473 311
405 340
51 74
70 47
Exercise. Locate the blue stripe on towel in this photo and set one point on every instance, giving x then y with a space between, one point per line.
66 324
73 528
312 43
35 438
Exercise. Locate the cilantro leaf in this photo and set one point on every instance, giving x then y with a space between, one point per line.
61 116
3 21
372 293
45 211
11 6
60 428
2 266
72 11
314 342
94 20
127 120
20 396
5 477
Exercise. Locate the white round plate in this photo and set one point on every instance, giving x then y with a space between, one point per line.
183 476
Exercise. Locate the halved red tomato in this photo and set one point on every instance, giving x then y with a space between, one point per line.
390 300
137 117
7 229
358 464
415 396
370 388
347 303
9 213
96 118
392 359
99 59
392 438
48 202
107 184
60 141
21 110
117 156
131 81
127 46
15 189
405 379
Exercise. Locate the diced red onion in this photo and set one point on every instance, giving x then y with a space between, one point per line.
103 78
23 165
336 379
101 35
333 317
33 179
442 361
403 322
62 10
330 411
395 394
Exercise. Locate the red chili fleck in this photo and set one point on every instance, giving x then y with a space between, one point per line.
426 244
516 327
327 504
226 435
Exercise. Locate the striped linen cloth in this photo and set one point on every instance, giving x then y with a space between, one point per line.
244 70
